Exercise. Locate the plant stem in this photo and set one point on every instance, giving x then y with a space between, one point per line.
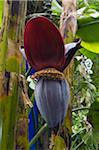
38 134
73 143
83 108
79 145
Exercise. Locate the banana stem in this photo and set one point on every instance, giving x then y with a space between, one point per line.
83 108
38 134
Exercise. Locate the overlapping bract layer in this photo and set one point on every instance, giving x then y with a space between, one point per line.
52 98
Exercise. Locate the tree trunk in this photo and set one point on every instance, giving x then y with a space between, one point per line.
68 26
10 61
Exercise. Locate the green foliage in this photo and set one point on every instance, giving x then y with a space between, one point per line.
88 24
89 3
56 8
95 76
56 12
89 141
94 115
87 53
85 122
90 37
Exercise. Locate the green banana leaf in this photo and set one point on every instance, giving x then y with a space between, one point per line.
88 54
93 115
88 31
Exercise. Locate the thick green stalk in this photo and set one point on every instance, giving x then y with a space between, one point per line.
7 116
10 60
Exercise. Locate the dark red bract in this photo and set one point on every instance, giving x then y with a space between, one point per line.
43 44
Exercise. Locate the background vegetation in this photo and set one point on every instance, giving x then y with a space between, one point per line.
85 99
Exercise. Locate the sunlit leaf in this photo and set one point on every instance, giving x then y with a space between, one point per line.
87 53
93 47
89 33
